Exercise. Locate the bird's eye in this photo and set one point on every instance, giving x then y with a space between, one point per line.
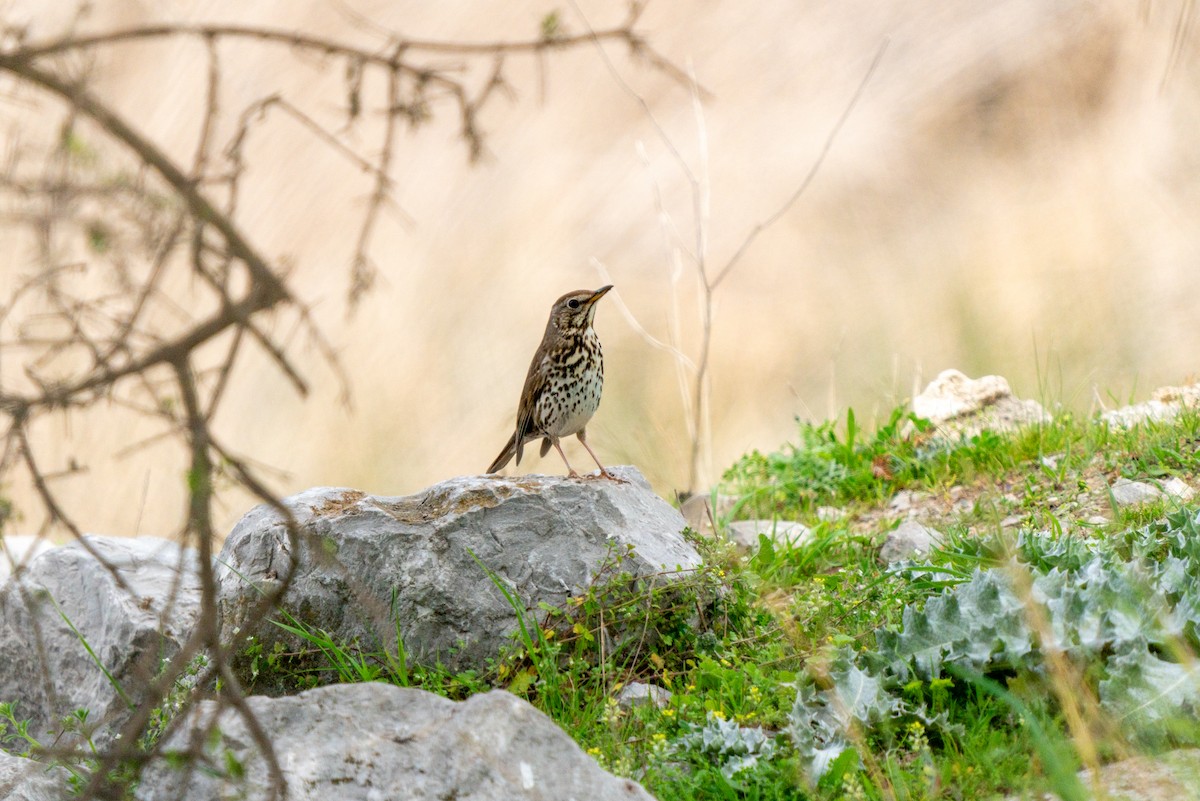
573 303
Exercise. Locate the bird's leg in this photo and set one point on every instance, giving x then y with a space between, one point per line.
571 470
603 470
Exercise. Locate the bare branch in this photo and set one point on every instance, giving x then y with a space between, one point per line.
268 289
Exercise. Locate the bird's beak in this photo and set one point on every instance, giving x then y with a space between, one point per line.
599 293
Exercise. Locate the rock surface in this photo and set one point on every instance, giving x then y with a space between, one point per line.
1165 404
1173 776
959 405
18 550
637 693
785 533
45 667
26 780
908 540
377 741
1133 493
369 564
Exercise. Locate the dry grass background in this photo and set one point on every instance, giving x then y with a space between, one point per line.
1017 192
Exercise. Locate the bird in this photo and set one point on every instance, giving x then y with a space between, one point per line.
563 386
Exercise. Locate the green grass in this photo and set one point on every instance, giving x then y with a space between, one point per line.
733 642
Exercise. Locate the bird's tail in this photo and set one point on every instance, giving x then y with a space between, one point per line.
510 450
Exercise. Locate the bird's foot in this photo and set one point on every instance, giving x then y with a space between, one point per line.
610 476
573 474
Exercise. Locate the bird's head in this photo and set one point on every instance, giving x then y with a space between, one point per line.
575 311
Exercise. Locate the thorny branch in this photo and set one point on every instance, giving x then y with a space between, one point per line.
145 290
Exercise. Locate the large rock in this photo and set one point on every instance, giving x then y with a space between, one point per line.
367 565
959 405
24 779
45 666
18 550
377 741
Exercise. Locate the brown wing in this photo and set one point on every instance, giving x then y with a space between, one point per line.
535 382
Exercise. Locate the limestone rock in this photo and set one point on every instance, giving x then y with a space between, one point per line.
830 514
130 631
784 533
638 692
24 779
1165 404
1132 493
362 742
18 550
904 502
1178 488
959 405
366 565
909 540
1172 776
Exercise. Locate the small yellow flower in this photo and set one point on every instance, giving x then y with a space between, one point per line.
719 713
659 736
668 713
594 751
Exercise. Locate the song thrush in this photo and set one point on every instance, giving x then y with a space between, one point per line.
562 389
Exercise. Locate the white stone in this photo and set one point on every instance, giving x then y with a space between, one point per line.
637 692
784 533
355 742
952 394
1132 493
910 539
830 514
1165 404
959 405
902 501
1178 488
18 550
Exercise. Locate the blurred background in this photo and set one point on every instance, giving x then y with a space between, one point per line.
1015 192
